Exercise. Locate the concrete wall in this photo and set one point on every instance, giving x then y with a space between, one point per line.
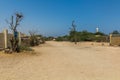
5 39
25 41
2 40
9 37
114 40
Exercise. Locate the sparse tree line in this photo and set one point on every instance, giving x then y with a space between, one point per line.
84 36
78 36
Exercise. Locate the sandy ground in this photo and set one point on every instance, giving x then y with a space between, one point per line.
63 61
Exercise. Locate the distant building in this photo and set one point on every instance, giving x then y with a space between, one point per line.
97 29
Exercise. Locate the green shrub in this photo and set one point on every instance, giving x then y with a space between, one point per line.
25 48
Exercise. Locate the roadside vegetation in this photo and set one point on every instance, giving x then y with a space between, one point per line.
84 36
77 36
25 44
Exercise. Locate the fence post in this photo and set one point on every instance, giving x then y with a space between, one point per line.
5 38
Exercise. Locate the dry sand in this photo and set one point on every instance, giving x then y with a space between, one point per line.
63 61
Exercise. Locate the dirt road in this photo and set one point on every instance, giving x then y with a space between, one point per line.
63 61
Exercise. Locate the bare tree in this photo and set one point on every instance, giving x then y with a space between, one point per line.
33 38
13 24
73 32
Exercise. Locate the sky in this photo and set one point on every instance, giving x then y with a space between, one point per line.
54 17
